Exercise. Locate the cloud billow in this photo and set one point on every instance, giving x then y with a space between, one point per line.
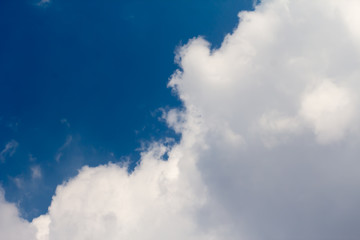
269 146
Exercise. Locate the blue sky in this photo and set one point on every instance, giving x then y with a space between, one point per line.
83 82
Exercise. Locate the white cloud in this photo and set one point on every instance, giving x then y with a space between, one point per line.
330 110
42 226
13 227
9 150
275 128
269 146
286 82
155 202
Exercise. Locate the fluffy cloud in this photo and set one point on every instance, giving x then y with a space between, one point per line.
269 146
13 227
329 109
285 83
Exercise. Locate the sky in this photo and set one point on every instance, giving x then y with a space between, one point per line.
85 83
190 120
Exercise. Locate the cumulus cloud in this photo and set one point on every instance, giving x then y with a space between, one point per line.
9 150
269 140
156 201
285 82
329 109
12 226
